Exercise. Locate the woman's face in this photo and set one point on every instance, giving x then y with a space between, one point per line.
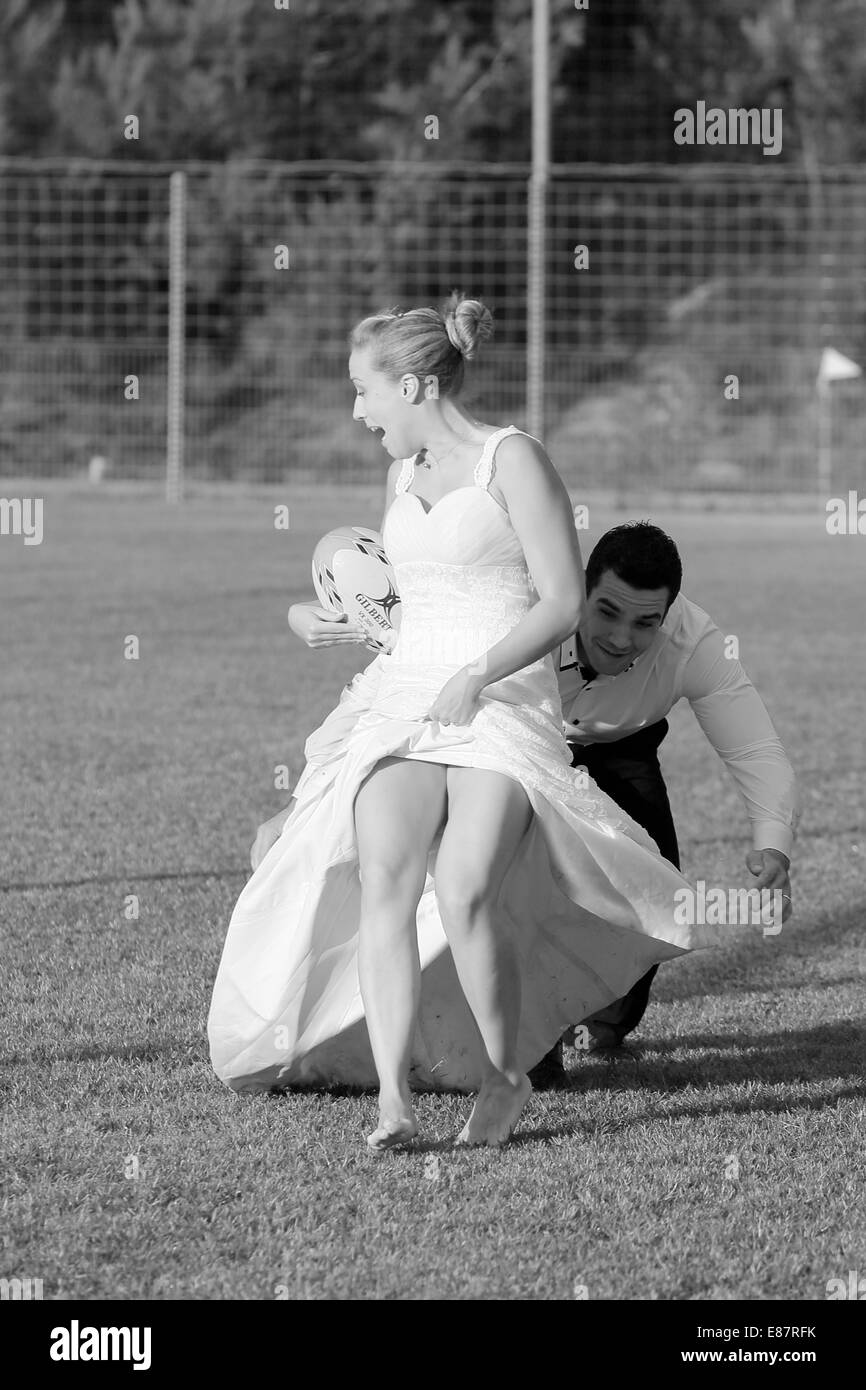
383 406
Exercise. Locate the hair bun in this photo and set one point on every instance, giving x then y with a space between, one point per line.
468 323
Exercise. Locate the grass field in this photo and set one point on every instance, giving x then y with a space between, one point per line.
722 1160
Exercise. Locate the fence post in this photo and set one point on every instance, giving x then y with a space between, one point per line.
536 277
176 336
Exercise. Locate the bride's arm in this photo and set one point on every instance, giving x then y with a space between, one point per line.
319 627
541 514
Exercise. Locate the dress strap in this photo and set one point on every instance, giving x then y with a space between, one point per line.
406 475
484 466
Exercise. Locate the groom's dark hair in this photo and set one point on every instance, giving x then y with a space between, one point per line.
639 554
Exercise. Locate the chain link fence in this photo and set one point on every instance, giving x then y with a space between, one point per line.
686 312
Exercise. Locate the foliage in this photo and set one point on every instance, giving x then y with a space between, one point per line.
214 79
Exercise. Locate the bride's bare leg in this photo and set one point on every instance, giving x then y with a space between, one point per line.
398 810
488 814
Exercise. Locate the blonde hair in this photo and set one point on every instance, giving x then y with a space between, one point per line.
426 342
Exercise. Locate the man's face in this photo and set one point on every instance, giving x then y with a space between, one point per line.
620 622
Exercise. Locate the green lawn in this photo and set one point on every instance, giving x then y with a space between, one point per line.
723 1159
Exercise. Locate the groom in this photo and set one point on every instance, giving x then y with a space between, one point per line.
642 646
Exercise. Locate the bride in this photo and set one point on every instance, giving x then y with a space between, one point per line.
446 893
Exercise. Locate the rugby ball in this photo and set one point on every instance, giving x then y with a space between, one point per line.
351 575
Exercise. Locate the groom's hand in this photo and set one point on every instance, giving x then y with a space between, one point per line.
769 868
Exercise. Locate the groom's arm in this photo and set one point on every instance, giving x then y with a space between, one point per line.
735 721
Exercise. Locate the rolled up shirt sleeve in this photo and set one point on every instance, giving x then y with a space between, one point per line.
735 720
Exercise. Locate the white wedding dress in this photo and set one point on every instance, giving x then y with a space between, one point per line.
588 899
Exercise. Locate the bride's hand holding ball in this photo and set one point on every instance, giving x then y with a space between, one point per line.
322 627
357 589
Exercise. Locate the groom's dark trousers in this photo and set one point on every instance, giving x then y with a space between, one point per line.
628 770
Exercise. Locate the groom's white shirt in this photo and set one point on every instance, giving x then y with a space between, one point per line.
686 661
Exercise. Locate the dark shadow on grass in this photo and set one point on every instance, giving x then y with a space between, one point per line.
599 1075
831 1052
524 1136
787 1046
106 880
318 1088
703 1062
767 1105
121 1052
423 1145
543 1134
540 1134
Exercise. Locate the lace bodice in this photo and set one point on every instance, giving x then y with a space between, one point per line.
466 527
460 568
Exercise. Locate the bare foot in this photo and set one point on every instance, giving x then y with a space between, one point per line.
393 1131
496 1111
